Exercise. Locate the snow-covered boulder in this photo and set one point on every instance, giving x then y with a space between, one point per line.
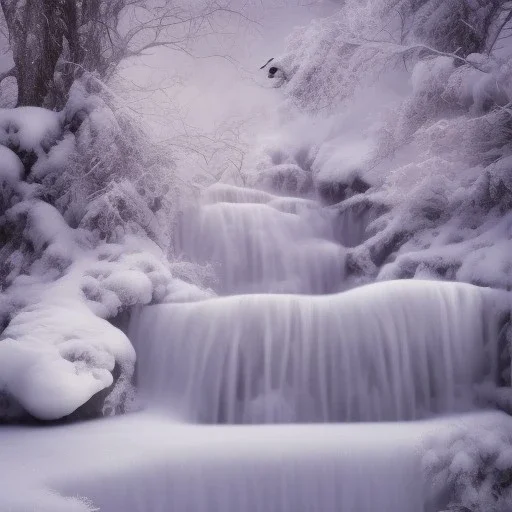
55 357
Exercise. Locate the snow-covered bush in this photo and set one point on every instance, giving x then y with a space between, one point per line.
105 174
412 103
87 208
469 467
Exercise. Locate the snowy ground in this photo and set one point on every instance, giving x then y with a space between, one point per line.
145 462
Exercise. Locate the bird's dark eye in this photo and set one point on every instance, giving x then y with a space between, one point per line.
273 70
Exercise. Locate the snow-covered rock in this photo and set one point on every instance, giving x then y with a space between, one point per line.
55 357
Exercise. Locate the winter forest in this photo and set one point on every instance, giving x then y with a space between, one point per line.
255 256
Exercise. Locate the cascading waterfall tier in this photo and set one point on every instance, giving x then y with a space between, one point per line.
388 351
260 243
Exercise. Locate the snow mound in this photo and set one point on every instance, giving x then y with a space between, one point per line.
11 168
53 359
29 129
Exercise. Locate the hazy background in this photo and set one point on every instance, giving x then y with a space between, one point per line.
206 91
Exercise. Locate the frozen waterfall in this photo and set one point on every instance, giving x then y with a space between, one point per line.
259 243
336 370
390 351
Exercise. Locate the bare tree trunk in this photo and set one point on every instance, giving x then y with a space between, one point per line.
55 41
36 38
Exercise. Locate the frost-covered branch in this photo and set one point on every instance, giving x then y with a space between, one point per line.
499 31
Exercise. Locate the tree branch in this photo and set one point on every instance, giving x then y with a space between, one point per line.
6 74
499 31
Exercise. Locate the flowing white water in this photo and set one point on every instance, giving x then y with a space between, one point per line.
146 463
259 243
277 469
389 351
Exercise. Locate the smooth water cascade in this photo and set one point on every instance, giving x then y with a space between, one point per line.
283 343
389 351
259 243
147 463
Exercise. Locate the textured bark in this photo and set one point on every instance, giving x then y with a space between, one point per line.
36 39
53 41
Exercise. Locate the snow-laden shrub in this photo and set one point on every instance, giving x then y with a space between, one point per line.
469 467
105 174
403 109
86 215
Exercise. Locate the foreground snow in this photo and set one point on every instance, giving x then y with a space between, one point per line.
145 462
